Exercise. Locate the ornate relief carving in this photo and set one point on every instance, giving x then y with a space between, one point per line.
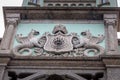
60 43
27 42
111 22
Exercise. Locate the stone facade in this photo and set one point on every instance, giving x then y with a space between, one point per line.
59 46
70 3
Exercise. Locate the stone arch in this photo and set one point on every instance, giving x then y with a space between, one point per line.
57 5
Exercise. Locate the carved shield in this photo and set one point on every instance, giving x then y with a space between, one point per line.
58 43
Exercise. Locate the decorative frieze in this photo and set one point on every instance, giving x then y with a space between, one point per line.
60 43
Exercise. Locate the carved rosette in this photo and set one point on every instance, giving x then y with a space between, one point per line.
59 44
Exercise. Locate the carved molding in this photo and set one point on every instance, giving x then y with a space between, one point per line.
111 22
60 43
12 21
110 19
4 61
12 18
110 16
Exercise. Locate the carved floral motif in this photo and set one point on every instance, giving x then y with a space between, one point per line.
60 43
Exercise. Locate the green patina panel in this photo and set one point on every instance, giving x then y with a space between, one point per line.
95 29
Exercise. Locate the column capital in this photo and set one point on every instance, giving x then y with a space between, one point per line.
110 22
110 19
12 20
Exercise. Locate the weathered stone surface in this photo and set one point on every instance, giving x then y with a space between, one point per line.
111 23
58 64
3 64
115 62
2 70
113 68
4 61
113 73
108 65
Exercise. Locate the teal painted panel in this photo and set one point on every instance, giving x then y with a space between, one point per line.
95 29
41 2
113 3
25 3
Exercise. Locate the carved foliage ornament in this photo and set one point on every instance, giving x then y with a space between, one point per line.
59 43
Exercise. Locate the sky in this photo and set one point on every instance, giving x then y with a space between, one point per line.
15 3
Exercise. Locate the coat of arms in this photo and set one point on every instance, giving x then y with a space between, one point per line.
59 43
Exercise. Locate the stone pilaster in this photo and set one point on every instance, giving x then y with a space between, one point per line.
2 69
3 64
11 24
111 34
112 68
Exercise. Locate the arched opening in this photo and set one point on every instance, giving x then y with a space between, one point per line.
88 5
55 77
65 5
58 5
81 5
50 5
73 5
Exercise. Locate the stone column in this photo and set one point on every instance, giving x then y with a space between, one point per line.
112 68
110 24
11 23
3 64
2 70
